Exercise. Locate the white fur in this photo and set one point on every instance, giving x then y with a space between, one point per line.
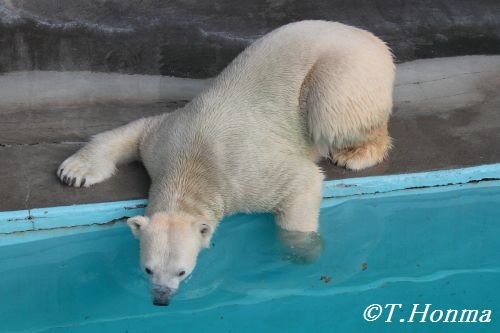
250 141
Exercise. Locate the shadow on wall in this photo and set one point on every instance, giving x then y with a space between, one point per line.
188 38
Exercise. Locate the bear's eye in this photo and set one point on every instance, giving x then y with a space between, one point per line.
148 271
181 273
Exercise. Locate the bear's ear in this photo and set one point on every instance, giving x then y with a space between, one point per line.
206 231
136 223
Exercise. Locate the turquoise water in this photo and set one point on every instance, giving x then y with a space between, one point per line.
438 248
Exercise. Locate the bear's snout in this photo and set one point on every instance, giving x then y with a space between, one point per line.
161 295
161 301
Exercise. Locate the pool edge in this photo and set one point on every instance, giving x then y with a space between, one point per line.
107 213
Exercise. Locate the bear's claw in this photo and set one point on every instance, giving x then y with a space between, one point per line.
79 170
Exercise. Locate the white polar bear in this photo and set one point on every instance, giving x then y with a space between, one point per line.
250 141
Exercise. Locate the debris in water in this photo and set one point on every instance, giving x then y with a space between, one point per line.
326 278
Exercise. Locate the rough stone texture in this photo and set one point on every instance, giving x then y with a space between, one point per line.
71 124
34 142
445 116
198 38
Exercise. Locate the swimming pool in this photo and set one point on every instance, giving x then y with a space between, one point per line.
405 247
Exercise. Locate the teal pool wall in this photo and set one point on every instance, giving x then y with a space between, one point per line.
53 220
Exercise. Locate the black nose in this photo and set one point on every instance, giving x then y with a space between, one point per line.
161 301
161 295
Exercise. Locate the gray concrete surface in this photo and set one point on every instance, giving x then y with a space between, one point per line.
446 115
39 89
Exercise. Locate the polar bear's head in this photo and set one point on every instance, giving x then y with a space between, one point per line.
169 247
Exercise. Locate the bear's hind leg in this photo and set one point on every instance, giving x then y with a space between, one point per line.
97 160
373 150
348 102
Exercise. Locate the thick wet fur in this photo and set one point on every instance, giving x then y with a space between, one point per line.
250 142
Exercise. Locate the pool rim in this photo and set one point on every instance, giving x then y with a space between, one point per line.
334 192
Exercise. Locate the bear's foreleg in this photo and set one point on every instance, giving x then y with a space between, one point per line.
98 159
297 216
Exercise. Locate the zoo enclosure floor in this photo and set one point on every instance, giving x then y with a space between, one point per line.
446 115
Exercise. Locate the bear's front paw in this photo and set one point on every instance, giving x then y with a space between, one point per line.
82 170
301 247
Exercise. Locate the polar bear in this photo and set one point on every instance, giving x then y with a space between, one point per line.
250 143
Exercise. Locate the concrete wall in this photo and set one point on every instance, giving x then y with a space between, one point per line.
190 38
